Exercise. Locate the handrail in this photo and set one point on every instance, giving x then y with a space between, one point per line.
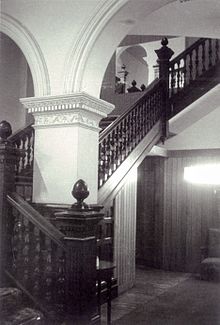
188 50
36 218
23 131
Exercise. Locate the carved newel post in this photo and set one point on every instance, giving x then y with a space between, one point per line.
8 159
164 55
79 226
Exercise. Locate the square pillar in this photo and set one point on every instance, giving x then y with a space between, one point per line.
66 144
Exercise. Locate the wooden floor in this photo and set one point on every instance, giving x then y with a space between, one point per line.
150 283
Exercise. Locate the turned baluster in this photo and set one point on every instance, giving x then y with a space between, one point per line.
60 284
47 282
36 240
190 67
117 147
120 142
144 119
178 76
216 51
29 152
26 254
108 157
104 159
137 133
210 52
113 155
102 152
173 80
128 134
203 57
197 63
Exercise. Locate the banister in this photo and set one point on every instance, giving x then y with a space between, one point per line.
127 131
146 93
23 131
36 218
188 50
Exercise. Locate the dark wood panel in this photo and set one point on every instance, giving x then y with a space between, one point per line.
173 216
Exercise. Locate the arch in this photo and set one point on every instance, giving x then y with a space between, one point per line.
81 48
31 50
134 58
88 44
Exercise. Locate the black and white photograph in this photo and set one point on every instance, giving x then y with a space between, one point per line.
109 162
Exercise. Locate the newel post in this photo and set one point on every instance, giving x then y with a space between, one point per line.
8 159
79 226
164 55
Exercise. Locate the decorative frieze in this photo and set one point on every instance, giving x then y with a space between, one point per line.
67 118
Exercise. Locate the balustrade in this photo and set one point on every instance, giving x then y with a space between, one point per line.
55 268
123 135
191 65
24 141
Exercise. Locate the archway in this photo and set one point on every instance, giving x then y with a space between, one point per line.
31 50
15 82
89 57
91 53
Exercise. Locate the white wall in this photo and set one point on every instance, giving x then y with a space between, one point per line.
15 82
204 134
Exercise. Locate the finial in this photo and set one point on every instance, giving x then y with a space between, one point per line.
5 131
134 83
164 41
80 192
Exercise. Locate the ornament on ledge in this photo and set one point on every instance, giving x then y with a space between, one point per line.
5 131
80 192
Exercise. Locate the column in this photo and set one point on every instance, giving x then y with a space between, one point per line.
66 144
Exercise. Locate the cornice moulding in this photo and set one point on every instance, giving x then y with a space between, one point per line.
77 101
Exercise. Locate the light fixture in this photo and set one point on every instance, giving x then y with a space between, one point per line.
207 174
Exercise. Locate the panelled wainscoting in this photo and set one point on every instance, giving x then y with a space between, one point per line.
125 232
173 216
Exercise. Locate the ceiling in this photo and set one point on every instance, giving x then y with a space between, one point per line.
198 18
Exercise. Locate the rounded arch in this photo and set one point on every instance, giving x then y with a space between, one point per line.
134 58
31 50
82 47
83 70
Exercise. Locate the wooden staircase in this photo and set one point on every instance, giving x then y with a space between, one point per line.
123 144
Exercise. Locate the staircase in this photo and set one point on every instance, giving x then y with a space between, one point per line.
123 144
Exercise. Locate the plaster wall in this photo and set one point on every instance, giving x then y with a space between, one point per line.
203 134
15 82
55 25
60 162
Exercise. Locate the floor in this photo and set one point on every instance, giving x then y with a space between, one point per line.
165 298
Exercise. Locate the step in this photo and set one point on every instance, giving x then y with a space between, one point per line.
10 298
27 316
12 312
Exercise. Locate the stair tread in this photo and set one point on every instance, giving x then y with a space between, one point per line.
22 316
4 292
